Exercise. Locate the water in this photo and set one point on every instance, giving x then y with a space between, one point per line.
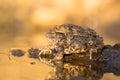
26 68
82 71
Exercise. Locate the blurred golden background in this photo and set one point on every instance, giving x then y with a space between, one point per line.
23 23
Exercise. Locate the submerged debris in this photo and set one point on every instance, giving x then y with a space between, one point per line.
32 62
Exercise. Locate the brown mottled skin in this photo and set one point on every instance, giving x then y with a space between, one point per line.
68 39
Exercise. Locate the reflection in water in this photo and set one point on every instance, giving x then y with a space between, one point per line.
81 71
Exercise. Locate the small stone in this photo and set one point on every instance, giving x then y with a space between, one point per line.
33 53
17 52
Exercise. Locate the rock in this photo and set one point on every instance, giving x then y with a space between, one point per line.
17 52
34 53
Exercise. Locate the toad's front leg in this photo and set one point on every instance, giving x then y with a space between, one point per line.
92 52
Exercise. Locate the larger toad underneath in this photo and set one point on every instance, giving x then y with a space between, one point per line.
70 39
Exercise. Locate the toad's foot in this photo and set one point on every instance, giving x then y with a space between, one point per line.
58 57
